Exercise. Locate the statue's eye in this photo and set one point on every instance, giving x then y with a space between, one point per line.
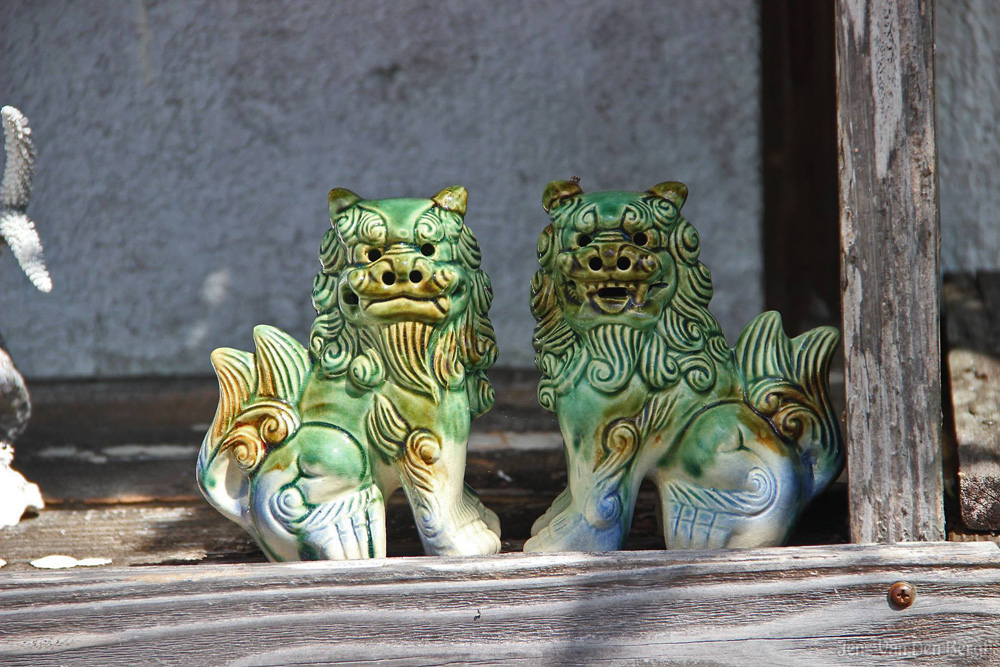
427 250
583 239
639 238
374 254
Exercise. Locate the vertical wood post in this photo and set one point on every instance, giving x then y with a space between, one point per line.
889 267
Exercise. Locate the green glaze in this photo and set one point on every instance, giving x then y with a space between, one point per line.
306 444
736 440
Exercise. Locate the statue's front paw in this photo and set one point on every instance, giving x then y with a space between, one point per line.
347 528
472 539
570 531
559 505
489 517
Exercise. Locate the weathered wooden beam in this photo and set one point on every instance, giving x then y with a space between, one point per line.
96 414
889 268
193 532
793 605
972 308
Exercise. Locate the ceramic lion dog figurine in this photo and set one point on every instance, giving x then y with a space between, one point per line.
736 440
306 444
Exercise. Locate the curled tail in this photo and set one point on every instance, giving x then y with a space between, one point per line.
787 381
258 395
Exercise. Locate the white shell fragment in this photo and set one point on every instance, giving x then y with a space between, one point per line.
17 495
60 562
2 562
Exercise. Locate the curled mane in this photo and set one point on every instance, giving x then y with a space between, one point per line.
420 357
686 344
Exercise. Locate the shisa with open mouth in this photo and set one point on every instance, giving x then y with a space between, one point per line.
736 440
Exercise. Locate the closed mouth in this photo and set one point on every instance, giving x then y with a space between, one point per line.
407 307
438 302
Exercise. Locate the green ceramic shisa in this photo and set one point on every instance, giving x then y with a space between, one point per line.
736 440
306 444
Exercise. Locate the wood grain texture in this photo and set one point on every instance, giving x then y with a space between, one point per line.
972 307
889 268
801 605
193 532
165 473
96 414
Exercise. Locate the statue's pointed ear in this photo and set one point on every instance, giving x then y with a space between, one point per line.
558 191
672 191
452 199
341 200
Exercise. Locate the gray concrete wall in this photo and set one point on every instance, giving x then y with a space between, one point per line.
186 149
968 122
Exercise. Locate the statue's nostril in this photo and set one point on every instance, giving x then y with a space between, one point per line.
624 263
595 264
388 277
416 276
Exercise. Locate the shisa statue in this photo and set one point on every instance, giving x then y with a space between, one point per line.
736 440
17 232
307 443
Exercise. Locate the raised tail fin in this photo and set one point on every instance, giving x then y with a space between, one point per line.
787 380
258 399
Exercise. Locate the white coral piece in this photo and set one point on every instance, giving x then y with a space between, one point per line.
17 495
16 229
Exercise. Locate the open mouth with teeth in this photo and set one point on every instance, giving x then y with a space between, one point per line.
610 296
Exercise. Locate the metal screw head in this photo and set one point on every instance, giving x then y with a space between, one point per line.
902 594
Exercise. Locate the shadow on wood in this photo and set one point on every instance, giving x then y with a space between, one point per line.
793 605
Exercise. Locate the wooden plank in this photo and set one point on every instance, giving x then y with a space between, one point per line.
973 341
129 535
889 268
802 605
193 532
111 412
165 472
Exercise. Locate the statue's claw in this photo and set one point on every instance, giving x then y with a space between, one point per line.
488 516
472 539
570 531
349 527
357 537
561 502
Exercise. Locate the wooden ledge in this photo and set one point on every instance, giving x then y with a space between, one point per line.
792 605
